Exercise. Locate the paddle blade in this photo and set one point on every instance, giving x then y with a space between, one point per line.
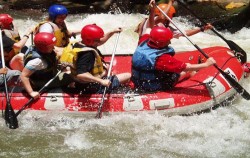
239 52
10 117
236 85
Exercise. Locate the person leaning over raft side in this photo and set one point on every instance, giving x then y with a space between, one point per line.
87 60
55 24
40 65
161 20
154 66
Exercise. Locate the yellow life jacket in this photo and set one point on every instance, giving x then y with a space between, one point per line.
70 54
61 34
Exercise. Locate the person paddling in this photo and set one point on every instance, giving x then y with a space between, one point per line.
87 63
160 20
14 51
6 24
40 65
14 45
153 64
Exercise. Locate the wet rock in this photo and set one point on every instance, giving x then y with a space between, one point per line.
231 19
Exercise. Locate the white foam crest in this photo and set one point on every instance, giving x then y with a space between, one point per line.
127 42
77 141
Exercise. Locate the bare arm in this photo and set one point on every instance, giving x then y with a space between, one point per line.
25 78
108 35
197 30
194 67
151 21
73 33
21 43
88 77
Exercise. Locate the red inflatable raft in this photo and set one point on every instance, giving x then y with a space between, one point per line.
206 89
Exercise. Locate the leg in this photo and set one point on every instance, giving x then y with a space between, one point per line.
185 75
123 77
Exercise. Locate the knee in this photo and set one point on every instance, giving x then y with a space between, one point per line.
16 62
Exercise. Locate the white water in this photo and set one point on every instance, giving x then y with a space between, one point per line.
224 132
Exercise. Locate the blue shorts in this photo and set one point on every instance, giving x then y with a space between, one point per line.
115 83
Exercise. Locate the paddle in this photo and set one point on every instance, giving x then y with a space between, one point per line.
99 112
9 115
232 82
32 38
32 99
239 52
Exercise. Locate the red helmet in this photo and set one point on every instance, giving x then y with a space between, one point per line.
90 33
160 36
44 41
163 7
6 21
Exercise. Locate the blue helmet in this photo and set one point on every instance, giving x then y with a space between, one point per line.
56 10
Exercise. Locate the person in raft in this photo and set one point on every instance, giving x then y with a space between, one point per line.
153 64
6 24
55 24
13 61
87 63
40 65
11 75
13 51
161 20
13 43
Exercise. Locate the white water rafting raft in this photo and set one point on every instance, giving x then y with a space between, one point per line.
206 89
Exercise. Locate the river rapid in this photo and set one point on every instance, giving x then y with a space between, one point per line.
224 132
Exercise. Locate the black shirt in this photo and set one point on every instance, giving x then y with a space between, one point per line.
85 60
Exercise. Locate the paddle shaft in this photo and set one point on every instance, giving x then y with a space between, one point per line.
9 115
99 112
3 65
232 82
231 44
32 99
32 38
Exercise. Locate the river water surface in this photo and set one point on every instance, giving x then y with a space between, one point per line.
224 132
